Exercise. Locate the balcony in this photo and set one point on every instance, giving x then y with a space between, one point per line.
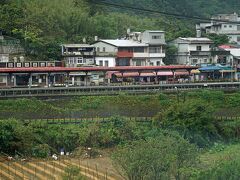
124 54
157 55
140 55
106 54
200 53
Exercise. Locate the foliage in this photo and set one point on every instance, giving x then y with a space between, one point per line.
73 173
155 158
193 118
219 39
171 51
225 170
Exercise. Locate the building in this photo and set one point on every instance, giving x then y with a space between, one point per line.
227 24
75 55
136 49
193 51
10 51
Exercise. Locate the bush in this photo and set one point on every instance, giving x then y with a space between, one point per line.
41 151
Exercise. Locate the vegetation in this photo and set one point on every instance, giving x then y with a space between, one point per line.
156 158
192 141
69 21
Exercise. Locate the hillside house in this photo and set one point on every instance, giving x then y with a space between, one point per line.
75 55
193 51
231 28
137 49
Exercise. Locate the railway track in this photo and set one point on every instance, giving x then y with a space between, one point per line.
113 90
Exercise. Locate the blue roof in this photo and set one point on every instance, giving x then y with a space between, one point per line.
210 68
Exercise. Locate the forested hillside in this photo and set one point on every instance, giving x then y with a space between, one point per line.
42 25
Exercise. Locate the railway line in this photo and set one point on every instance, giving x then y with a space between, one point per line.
113 89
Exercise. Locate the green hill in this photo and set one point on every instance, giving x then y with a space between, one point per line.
42 25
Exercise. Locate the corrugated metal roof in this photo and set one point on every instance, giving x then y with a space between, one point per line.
89 69
124 43
77 45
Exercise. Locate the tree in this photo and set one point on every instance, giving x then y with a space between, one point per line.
155 158
229 169
171 51
219 39
193 119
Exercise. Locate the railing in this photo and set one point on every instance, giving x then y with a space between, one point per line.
114 90
124 54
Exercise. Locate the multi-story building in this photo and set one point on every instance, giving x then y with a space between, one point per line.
228 24
193 51
137 49
75 55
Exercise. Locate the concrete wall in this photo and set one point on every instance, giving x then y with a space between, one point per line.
148 37
111 61
108 47
193 47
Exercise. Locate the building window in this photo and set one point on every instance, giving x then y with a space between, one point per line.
104 49
19 64
155 50
101 63
238 39
26 64
199 48
195 61
205 60
156 37
158 63
225 26
106 63
230 26
35 64
10 65
79 60
42 64
139 49
138 63
151 64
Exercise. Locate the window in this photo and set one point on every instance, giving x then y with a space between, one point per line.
104 49
230 26
238 39
205 60
138 63
139 49
1 79
42 64
101 63
156 37
199 48
98 49
151 64
79 60
26 64
35 64
158 63
106 63
225 26
155 50
10 65
195 61
19 64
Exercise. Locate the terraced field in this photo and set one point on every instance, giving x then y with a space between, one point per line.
54 170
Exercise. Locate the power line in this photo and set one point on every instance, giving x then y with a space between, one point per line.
179 16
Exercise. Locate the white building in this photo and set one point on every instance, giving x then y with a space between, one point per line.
75 55
137 49
193 51
231 28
